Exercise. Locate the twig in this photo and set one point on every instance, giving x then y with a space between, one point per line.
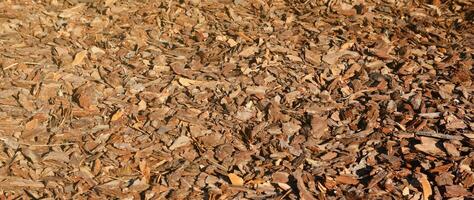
286 194
32 63
439 135
38 145
10 66
46 145
432 115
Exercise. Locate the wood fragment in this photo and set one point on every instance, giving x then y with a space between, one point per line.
79 58
236 100
377 178
304 193
439 135
235 179
426 186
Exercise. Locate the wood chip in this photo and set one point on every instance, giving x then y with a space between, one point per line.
180 142
235 179
304 194
248 51
428 145
439 135
79 58
456 191
298 99
117 115
426 186
345 179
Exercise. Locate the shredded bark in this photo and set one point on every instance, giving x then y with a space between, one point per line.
192 99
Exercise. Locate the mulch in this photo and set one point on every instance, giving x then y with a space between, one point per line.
194 99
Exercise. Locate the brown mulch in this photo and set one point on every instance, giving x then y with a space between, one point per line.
353 99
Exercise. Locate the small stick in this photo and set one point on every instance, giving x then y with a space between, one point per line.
286 194
39 145
46 145
439 135
10 66
377 178
432 115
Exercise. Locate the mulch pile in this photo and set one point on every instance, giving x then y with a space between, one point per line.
256 99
